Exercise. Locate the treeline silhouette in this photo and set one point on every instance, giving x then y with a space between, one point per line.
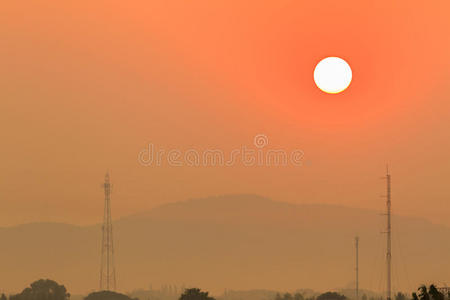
324 296
424 293
46 289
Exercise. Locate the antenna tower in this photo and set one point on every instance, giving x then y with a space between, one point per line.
388 242
357 267
107 269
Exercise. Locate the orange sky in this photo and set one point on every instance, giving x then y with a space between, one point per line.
85 87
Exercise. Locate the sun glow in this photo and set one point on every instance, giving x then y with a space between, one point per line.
332 75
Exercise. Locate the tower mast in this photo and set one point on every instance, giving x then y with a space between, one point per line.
388 242
107 268
357 267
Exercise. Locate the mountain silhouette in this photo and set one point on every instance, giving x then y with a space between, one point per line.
234 241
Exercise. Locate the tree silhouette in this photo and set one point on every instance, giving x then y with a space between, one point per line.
434 293
423 293
43 289
428 294
400 296
107 295
331 296
287 296
195 294
298 296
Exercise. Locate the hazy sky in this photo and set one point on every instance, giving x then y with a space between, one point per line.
84 87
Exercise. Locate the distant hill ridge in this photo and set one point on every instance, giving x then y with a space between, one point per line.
231 241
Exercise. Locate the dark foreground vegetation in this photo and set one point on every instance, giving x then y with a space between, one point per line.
46 289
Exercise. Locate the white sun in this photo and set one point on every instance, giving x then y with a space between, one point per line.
332 75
